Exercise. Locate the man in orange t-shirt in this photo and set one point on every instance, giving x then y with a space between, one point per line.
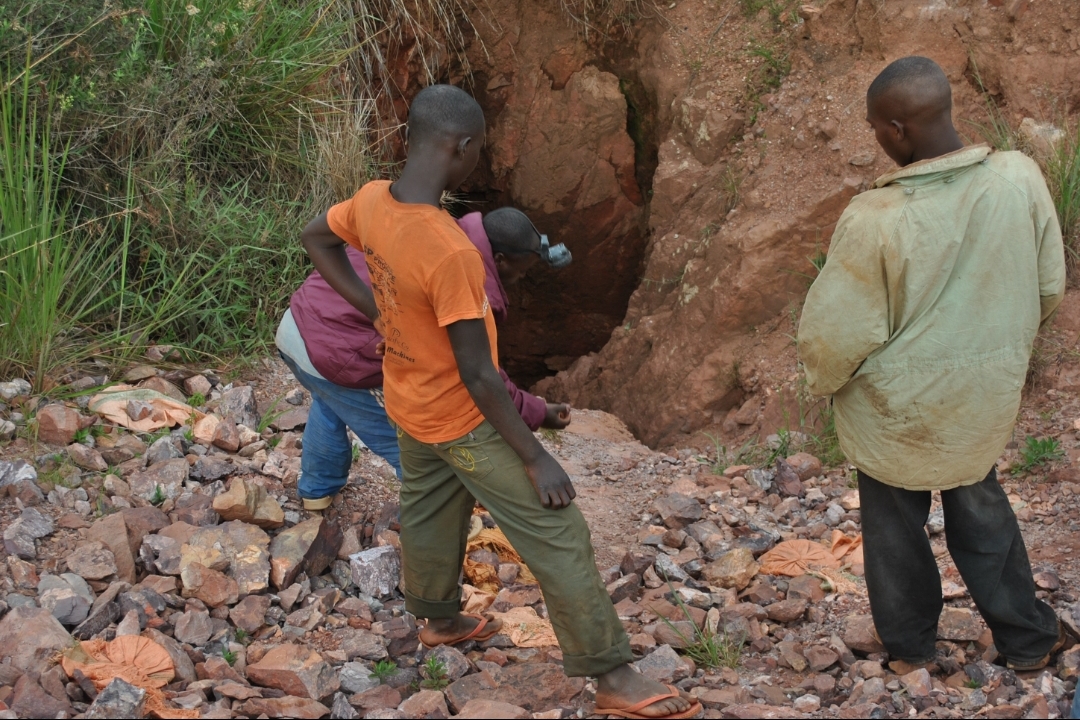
460 436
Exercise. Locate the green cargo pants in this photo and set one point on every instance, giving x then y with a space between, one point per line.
441 481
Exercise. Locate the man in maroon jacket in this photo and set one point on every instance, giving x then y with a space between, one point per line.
330 346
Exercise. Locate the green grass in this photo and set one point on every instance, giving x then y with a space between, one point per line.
241 635
229 655
355 453
776 9
434 672
707 649
158 497
197 400
270 416
1037 452
818 259
1063 177
383 670
82 435
158 164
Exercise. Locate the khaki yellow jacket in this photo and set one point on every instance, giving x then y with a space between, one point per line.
921 323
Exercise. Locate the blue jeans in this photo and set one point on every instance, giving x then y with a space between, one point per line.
327 456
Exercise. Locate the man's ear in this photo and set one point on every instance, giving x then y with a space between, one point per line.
462 146
898 130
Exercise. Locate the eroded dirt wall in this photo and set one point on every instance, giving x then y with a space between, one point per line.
706 343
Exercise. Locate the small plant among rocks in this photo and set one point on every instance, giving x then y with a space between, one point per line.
229 655
434 672
1036 452
158 497
383 670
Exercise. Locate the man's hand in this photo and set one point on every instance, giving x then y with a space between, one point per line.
551 482
557 416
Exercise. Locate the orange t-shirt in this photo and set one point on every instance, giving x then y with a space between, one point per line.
425 274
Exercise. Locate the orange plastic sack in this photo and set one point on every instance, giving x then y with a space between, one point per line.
850 550
484 576
474 600
137 660
796 557
526 628
111 404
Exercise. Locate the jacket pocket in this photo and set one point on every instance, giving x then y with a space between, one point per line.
469 457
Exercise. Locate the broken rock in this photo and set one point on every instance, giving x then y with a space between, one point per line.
309 546
193 627
57 424
210 586
859 635
248 502
482 709
296 670
733 569
168 476
119 699
663 665
959 625
678 510
239 404
250 613
284 707
377 571
31 636
425 704
20 536
92 561
86 458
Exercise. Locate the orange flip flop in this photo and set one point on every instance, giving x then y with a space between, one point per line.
631 711
474 635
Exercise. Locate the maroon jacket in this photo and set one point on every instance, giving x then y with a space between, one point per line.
341 341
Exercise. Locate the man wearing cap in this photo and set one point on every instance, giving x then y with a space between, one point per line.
333 350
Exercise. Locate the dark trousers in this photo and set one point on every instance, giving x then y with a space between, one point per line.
985 543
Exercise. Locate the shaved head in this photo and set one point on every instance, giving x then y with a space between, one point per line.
908 89
511 231
444 112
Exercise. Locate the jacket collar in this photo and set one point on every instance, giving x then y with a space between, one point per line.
954 161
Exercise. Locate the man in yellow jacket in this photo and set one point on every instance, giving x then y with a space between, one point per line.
920 326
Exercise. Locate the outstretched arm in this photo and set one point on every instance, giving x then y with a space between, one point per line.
472 350
327 253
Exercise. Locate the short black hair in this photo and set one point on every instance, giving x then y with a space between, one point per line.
919 79
510 231
444 111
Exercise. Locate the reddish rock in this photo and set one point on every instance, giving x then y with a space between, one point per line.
111 531
92 561
31 636
226 436
820 657
677 510
198 385
250 613
482 709
30 701
624 588
917 683
296 670
247 502
197 510
959 625
57 424
217 668
805 464
309 546
425 704
236 691
859 635
87 458
720 698
285 707
212 587
806 587
733 569
787 611
377 698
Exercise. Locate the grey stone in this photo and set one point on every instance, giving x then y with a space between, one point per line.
129 625
239 404
935 524
666 568
193 627
119 699
376 571
160 554
14 388
66 605
100 618
20 535
356 677
678 510
342 710
162 449
454 662
169 475
7 430
16 471
663 665
761 478
208 469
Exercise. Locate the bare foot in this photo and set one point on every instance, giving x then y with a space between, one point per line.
447 631
623 687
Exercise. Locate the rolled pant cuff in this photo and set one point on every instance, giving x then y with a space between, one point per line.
433 609
599 664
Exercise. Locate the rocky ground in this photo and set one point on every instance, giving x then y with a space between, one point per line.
194 541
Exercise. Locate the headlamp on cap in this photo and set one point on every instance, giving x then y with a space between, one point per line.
556 256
